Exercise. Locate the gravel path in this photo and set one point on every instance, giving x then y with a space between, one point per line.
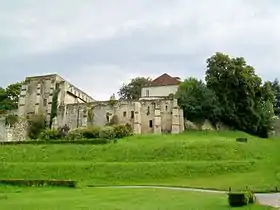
267 199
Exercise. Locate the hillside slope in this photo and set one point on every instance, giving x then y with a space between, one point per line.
196 159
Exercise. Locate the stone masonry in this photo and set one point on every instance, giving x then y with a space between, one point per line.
37 95
43 94
145 116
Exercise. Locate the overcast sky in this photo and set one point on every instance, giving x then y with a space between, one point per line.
99 44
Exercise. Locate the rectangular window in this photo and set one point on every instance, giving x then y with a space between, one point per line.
151 124
124 114
147 93
132 114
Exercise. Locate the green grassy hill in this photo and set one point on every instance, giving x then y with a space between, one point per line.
193 159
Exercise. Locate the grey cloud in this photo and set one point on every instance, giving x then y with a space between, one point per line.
101 49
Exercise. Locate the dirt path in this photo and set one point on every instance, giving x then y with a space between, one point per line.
267 199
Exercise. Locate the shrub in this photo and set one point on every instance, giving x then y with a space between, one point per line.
74 135
129 128
50 134
23 182
107 132
237 199
251 197
36 124
122 131
91 132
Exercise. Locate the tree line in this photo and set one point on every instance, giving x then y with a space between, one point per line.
232 94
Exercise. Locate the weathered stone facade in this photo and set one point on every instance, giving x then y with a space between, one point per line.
39 93
49 93
145 116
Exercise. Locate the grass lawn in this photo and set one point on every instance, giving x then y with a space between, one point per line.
194 159
111 199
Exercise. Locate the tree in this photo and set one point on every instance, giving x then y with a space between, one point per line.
9 97
276 89
197 101
132 90
244 100
13 93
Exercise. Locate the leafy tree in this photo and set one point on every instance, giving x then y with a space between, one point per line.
276 89
197 101
132 90
13 93
9 97
245 102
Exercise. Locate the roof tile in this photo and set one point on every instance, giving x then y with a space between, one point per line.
164 80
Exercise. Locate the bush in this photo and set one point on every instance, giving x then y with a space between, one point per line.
36 124
50 134
74 135
23 182
91 132
107 132
237 199
122 131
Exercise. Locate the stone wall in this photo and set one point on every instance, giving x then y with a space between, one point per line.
3 131
17 132
145 116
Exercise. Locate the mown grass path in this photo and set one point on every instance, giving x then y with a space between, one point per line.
112 198
266 199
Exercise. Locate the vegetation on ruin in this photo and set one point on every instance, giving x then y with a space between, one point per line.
11 119
110 199
36 125
90 115
54 106
193 159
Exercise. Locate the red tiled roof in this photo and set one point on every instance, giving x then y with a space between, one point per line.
164 80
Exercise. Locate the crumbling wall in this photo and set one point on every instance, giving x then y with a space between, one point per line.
3 133
16 132
150 116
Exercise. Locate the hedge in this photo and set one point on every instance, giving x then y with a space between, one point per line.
39 183
79 141
91 132
238 199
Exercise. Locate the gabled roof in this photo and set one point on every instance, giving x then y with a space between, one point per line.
164 80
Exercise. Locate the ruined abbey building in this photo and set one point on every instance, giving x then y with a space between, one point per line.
43 94
62 103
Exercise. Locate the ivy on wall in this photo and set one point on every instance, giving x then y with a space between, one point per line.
11 120
54 103
90 115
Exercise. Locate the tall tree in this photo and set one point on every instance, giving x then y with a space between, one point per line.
197 101
245 102
132 90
